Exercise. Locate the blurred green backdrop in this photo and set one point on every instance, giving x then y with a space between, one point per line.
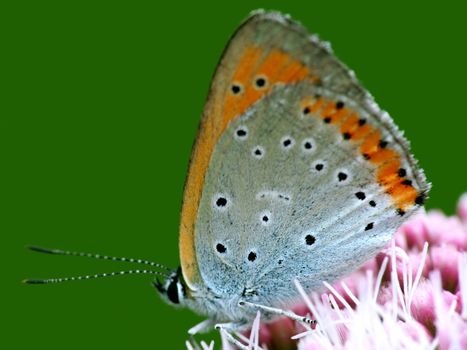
100 107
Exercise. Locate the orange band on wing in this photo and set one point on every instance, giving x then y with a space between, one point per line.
273 67
387 174
362 132
368 138
350 124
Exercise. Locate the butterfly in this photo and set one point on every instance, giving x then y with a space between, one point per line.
296 174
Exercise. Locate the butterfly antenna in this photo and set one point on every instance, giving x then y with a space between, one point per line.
98 256
89 277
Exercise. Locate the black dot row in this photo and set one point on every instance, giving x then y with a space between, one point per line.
287 142
345 135
222 249
260 83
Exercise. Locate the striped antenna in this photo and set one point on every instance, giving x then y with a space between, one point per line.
97 256
88 277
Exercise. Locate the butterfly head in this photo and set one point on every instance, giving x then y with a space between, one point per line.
172 289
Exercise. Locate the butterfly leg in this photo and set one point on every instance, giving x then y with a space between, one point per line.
280 312
227 329
201 327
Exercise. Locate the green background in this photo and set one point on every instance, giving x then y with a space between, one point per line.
100 107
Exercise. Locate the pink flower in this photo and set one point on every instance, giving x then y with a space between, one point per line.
423 306
446 230
445 259
413 234
462 208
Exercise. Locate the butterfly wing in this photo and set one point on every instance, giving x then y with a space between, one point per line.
296 173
